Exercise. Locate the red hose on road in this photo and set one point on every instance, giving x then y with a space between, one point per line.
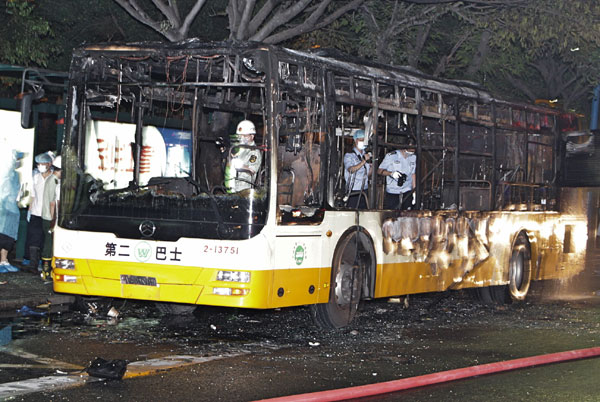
436 378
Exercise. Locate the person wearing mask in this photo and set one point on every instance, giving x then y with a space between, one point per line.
356 172
35 234
9 211
50 214
244 159
399 168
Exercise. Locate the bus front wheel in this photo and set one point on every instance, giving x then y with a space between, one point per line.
175 308
350 261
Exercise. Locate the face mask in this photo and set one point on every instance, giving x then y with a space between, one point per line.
409 152
245 139
360 145
42 168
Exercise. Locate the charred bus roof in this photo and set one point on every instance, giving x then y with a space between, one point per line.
157 53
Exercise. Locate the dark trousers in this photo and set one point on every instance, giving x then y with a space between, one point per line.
47 251
35 235
357 201
402 201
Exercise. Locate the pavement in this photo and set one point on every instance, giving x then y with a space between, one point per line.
27 288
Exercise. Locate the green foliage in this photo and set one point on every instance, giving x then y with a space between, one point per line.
76 22
529 40
25 39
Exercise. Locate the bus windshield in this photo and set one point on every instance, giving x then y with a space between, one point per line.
149 152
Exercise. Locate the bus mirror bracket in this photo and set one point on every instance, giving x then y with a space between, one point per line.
26 102
27 105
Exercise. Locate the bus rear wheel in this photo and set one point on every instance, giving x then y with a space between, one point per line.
519 271
519 276
350 261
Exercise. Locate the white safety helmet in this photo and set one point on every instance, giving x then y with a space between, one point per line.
57 162
245 127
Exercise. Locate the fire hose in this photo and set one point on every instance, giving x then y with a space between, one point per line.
437 378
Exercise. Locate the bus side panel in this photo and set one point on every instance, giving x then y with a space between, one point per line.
410 263
299 274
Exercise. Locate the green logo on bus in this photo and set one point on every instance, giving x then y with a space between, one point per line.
143 251
299 254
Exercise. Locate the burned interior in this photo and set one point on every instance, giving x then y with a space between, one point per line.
151 131
474 152
149 137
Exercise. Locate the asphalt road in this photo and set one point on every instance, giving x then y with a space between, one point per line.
245 355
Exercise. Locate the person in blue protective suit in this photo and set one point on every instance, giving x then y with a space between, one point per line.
399 168
356 172
9 211
35 233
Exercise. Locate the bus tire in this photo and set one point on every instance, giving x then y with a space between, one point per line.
92 304
491 294
519 276
350 261
175 308
519 270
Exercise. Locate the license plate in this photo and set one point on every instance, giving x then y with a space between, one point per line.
138 280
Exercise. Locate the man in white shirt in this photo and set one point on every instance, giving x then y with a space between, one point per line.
356 172
35 233
399 168
50 214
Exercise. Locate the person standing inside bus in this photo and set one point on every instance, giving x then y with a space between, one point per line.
399 168
356 172
50 214
35 234
244 160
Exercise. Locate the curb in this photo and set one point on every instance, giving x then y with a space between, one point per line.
35 300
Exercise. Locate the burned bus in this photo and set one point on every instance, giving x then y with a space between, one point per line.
151 136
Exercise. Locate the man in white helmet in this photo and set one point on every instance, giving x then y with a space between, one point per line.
244 160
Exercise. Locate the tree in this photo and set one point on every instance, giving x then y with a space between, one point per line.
25 39
269 21
385 24
518 48
548 49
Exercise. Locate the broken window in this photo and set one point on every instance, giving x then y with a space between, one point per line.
154 139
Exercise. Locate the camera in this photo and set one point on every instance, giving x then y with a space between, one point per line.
401 179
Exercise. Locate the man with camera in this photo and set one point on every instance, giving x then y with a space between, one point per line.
356 173
399 168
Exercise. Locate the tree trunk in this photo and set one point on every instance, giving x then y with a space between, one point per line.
479 57
414 53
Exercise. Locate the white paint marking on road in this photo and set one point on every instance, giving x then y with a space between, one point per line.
25 366
134 369
50 383
52 363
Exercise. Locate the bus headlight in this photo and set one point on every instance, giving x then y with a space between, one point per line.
230 291
65 278
233 276
63 263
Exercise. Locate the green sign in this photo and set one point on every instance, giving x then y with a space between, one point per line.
299 254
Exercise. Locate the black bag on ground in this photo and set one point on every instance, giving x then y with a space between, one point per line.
110 369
